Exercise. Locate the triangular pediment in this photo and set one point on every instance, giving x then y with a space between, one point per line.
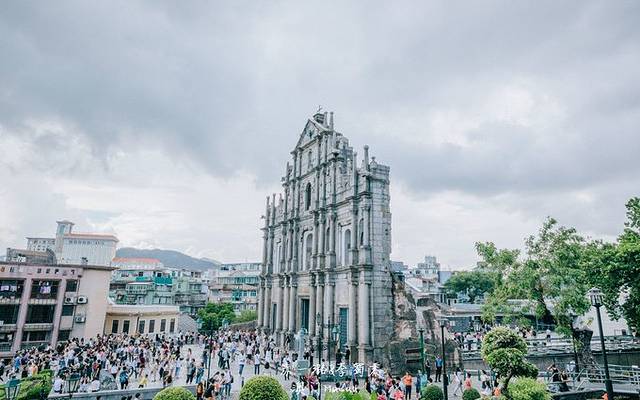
311 130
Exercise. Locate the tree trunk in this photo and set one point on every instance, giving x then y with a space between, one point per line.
582 338
504 389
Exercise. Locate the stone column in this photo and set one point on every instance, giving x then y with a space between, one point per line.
321 242
353 311
365 255
280 303
354 235
319 303
261 303
268 307
328 312
293 298
363 318
332 240
285 307
312 306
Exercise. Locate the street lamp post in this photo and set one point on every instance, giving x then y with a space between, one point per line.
11 389
445 383
73 382
421 330
595 295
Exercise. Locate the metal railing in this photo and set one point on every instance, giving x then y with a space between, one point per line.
556 346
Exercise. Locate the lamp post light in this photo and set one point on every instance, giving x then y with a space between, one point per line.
421 330
73 382
595 295
11 389
443 324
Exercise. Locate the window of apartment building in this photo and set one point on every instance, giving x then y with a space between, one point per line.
141 326
72 286
44 289
125 326
36 336
10 288
152 325
114 326
67 310
163 325
9 313
40 314
63 336
172 325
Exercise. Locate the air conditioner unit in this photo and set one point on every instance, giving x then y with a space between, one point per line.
80 319
82 300
69 300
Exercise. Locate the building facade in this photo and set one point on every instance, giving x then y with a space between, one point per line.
44 304
327 242
141 319
237 286
76 248
146 281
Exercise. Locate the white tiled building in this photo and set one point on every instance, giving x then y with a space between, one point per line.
76 248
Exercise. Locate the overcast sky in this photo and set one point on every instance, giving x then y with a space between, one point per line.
168 123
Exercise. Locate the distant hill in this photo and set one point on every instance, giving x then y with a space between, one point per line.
170 258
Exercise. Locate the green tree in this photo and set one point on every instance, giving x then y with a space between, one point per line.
263 388
247 316
174 393
504 351
551 277
473 283
213 315
614 268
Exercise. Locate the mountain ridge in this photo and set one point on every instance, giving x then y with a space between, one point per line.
170 258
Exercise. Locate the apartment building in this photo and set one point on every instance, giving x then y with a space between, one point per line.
43 304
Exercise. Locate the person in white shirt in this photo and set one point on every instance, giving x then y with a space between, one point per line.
58 384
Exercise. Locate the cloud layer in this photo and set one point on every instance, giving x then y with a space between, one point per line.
169 123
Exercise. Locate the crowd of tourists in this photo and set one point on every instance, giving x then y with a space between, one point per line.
111 361
213 364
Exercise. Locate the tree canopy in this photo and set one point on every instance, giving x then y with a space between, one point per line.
550 277
213 315
474 284
504 351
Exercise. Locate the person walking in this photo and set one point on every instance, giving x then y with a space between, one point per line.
438 369
457 381
407 379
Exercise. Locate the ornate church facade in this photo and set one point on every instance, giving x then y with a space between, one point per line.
327 241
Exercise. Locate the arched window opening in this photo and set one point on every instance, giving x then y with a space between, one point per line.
307 196
327 237
347 247
308 247
361 231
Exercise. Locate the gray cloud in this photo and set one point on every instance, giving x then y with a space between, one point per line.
512 99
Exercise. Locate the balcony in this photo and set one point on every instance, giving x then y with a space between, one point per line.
28 345
9 300
50 301
8 328
39 326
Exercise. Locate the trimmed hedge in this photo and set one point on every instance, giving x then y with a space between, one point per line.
471 394
431 392
528 389
34 387
263 388
174 393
